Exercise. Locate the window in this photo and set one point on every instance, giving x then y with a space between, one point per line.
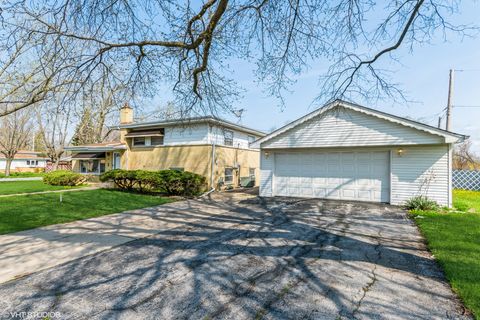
251 139
116 160
228 137
139 141
177 169
32 162
228 175
156 141
251 173
92 166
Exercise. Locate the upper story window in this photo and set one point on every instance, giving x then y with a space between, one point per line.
228 137
156 141
146 138
139 141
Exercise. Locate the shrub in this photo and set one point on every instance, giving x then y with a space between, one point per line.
63 178
181 183
170 182
421 203
123 179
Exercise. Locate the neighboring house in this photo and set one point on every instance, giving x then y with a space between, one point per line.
25 161
215 148
346 151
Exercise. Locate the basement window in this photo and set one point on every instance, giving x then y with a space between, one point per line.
228 175
251 173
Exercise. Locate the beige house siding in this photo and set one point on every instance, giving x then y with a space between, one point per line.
244 159
193 158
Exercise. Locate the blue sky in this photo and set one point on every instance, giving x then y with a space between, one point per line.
423 74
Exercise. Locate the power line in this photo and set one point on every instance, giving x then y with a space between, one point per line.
466 106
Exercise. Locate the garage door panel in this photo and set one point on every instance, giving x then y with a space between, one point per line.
335 175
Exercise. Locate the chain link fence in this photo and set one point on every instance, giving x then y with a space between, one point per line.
466 179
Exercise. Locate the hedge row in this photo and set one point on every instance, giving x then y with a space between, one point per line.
63 178
170 182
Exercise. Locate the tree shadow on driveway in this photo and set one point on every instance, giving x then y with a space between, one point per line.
248 257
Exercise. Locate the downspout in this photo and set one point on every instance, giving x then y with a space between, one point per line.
212 169
213 166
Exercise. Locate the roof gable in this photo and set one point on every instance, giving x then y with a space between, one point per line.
345 124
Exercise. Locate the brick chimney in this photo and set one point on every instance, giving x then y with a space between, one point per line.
126 114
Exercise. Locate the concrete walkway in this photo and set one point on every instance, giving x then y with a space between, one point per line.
29 251
20 179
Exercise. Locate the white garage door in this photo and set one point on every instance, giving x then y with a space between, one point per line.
334 175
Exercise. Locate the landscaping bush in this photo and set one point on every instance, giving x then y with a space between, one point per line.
123 179
170 182
181 183
63 178
421 203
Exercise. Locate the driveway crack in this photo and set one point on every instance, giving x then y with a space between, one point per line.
373 275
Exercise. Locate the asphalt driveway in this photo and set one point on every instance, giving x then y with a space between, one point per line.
240 257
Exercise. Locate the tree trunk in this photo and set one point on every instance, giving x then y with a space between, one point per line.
55 164
8 164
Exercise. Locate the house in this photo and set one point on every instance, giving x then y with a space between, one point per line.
347 151
25 161
217 149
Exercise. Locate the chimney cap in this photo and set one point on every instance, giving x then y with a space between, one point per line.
126 106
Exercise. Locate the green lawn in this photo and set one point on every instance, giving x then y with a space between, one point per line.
12 187
32 211
454 239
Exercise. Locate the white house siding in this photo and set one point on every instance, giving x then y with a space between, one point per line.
267 167
240 139
203 134
188 134
344 127
421 170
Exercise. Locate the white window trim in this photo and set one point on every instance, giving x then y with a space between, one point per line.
225 131
225 176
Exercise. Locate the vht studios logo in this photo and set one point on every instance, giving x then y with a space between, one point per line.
35 315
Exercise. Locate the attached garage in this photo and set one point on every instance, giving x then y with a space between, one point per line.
349 152
362 175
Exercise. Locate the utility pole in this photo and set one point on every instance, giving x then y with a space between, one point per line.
449 102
